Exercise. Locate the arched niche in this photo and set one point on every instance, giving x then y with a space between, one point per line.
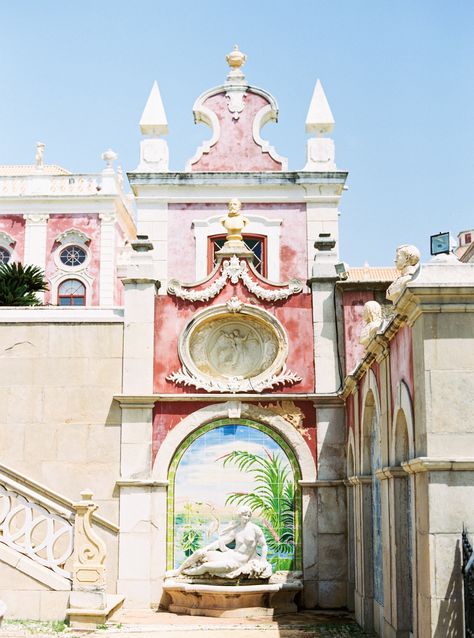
233 410
402 449
402 442
225 464
370 419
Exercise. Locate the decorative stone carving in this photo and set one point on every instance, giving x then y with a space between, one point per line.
372 317
234 304
236 82
216 559
407 262
234 269
89 549
39 155
72 236
32 530
229 351
290 412
6 240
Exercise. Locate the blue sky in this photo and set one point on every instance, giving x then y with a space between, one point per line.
398 76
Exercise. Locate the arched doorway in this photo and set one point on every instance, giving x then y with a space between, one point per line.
225 464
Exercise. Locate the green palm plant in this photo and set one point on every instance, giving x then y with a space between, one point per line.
273 498
19 285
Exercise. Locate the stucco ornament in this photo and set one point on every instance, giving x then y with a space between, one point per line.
235 83
372 317
217 559
229 351
234 269
290 412
407 261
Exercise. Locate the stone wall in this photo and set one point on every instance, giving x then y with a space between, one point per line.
60 428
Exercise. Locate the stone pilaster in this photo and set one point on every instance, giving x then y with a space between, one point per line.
107 258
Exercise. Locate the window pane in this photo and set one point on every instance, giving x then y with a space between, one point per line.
73 256
72 287
255 244
78 301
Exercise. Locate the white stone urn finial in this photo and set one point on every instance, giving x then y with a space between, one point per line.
236 59
109 156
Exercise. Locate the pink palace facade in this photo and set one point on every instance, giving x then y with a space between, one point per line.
160 357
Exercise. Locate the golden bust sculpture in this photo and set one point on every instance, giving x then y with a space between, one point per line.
234 222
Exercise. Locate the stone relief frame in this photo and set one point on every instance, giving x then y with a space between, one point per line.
267 331
257 225
190 440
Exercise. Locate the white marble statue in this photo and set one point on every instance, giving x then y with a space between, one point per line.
216 559
39 154
372 316
407 261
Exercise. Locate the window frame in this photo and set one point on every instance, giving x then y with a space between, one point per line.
71 305
211 249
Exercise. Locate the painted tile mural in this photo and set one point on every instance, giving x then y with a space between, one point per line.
223 468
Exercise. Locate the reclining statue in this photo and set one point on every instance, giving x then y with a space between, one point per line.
216 559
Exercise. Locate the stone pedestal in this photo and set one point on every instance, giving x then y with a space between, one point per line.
232 601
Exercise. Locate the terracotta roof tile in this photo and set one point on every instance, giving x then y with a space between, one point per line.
372 273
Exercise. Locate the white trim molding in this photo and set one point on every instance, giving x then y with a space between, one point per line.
257 225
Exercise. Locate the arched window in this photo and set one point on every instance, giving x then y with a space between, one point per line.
72 293
255 243
4 255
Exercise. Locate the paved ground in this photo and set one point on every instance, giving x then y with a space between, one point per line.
147 624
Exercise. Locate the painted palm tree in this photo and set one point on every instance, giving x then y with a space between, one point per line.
273 498
19 285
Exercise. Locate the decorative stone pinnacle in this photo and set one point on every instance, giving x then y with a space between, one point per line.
236 59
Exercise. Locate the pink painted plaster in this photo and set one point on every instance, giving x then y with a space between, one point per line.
236 150
167 414
89 224
401 361
181 242
172 314
14 225
353 305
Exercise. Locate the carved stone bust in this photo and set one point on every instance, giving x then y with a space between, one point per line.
372 317
407 262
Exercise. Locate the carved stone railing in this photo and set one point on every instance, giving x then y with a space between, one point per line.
86 184
39 523
29 528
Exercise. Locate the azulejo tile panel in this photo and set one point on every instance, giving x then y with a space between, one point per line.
226 464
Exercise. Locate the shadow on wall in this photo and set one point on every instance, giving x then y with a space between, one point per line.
450 619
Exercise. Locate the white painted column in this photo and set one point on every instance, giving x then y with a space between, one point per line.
36 227
152 220
137 529
107 259
322 216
